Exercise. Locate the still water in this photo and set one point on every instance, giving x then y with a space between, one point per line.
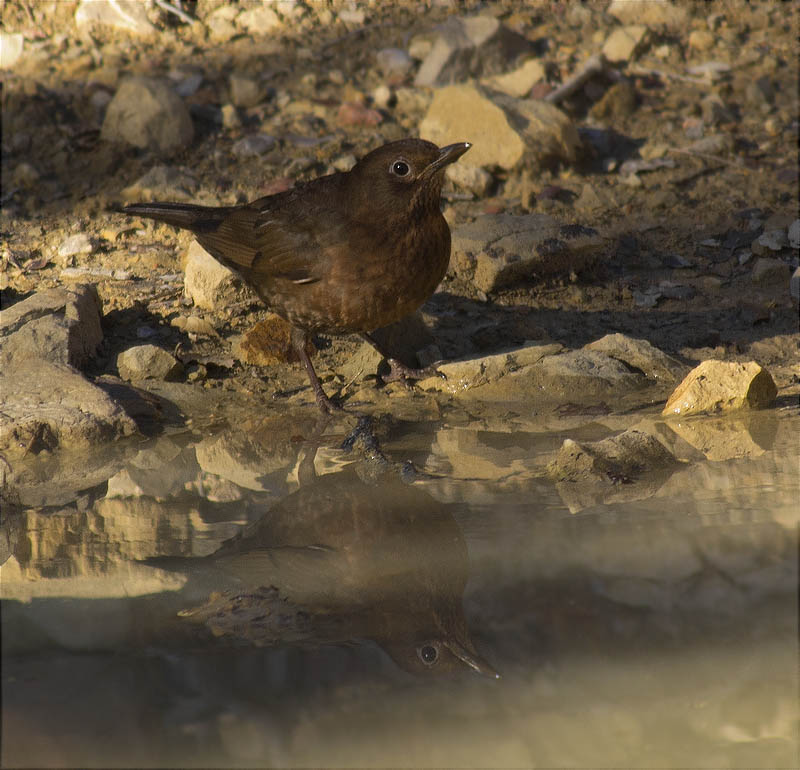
254 595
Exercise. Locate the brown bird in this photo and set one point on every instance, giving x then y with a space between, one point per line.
347 252
342 560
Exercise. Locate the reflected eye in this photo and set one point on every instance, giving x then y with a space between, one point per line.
400 168
428 654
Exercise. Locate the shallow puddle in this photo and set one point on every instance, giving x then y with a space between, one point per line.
256 596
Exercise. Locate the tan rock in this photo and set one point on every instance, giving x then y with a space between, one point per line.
622 43
721 386
268 343
639 354
651 13
11 44
462 112
701 40
518 82
128 15
501 128
148 362
259 19
209 284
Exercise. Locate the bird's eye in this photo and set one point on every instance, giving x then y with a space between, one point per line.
400 168
428 654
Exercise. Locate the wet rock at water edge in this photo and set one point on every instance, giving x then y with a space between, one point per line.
502 129
51 406
148 362
147 113
467 373
613 459
470 47
722 386
640 354
56 325
496 250
629 466
209 284
728 437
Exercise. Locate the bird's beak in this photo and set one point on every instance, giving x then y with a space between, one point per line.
448 155
473 660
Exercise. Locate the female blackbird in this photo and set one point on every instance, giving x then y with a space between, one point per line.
348 252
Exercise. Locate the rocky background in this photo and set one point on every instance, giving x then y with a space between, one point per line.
619 331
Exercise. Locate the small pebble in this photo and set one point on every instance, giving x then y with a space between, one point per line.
75 244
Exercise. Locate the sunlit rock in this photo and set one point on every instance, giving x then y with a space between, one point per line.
721 386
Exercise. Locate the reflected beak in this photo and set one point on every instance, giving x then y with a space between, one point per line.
447 155
473 660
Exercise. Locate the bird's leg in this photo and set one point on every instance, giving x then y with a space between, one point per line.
397 369
299 341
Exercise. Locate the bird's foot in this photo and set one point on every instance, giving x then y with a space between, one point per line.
326 405
399 371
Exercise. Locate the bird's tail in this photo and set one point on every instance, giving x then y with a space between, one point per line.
198 219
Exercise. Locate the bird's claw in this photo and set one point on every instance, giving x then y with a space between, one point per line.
399 371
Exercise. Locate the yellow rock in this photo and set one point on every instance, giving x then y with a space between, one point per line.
715 386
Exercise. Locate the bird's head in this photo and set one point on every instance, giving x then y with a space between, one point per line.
402 177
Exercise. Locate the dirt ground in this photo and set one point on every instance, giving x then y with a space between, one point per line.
690 224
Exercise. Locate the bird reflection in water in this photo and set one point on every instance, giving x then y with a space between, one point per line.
345 558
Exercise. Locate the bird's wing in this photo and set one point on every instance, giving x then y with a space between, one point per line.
264 243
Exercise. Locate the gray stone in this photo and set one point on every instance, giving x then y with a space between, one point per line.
162 183
794 284
769 242
253 145
497 249
768 271
393 61
80 243
50 406
147 113
468 373
641 355
470 47
794 234
473 179
245 90
127 15
58 325
148 362
11 45
502 129
209 284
